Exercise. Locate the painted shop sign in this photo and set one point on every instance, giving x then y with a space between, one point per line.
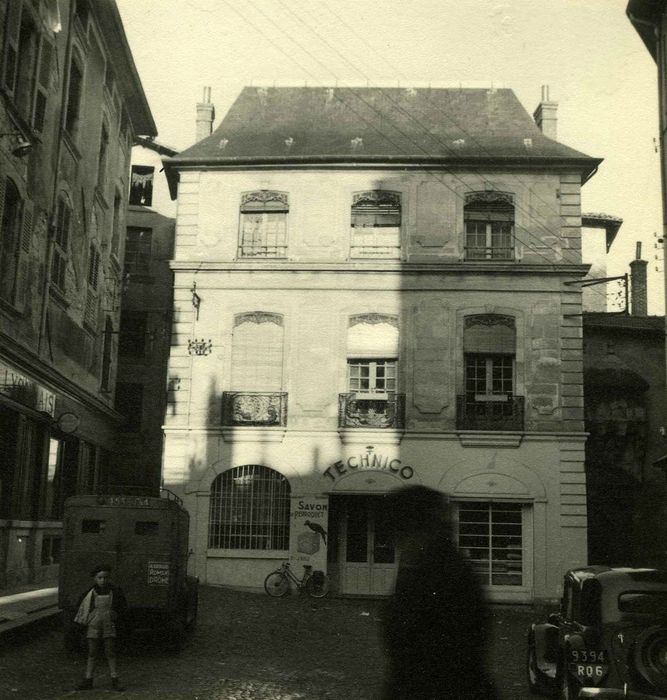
369 462
26 391
308 531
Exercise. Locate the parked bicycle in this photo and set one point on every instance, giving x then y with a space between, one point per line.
278 583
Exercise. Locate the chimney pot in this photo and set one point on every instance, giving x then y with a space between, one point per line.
545 115
205 116
638 285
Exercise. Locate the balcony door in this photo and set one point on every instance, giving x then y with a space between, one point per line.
367 560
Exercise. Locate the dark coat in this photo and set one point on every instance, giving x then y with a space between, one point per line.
436 627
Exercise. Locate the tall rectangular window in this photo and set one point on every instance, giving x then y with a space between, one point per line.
263 226
141 185
129 402
371 376
10 233
257 352
138 244
102 157
115 226
132 335
74 98
61 244
376 225
491 535
489 226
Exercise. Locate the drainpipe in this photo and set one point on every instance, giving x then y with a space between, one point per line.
50 231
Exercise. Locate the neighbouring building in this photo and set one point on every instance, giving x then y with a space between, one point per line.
145 321
649 18
625 415
378 287
71 106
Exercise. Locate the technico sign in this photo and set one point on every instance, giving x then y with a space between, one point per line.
369 462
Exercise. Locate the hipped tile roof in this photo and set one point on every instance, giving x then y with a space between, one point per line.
356 125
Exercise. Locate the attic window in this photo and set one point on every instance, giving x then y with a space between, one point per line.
356 143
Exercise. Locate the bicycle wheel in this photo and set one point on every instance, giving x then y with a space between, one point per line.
276 584
317 586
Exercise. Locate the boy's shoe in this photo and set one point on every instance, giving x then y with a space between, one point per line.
115 684
85 684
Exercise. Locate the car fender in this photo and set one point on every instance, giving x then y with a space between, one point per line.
545 637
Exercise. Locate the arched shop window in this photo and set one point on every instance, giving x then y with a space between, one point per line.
249 509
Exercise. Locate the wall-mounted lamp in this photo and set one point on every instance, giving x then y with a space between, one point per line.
199 347
21 147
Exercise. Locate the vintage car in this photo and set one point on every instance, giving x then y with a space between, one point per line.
609 639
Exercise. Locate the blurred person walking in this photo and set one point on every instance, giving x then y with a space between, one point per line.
436 622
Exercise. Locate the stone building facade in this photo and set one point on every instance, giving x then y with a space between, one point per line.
71 104
378 287
147 301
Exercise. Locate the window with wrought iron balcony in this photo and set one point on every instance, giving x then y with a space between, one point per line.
255 397
372 401
489 402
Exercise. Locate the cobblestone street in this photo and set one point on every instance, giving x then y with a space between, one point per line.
248 646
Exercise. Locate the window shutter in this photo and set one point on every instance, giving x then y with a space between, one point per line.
12 31
257 356
490 335
373 340
2 197
26 230
23 272
42 84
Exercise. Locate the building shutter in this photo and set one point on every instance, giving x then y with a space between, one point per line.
372 338
3 182
26 229
257 353
489 334
12 31
42 84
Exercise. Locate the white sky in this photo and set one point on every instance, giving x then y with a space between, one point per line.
597 69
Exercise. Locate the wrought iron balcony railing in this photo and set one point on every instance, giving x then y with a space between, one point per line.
497 414
357 410
254 408
489 253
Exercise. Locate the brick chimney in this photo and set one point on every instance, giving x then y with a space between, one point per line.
545 115
205 115
638 284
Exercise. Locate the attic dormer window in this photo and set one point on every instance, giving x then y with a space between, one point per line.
376 224
489 226
263 227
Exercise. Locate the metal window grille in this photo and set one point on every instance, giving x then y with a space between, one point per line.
491 535
249 509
